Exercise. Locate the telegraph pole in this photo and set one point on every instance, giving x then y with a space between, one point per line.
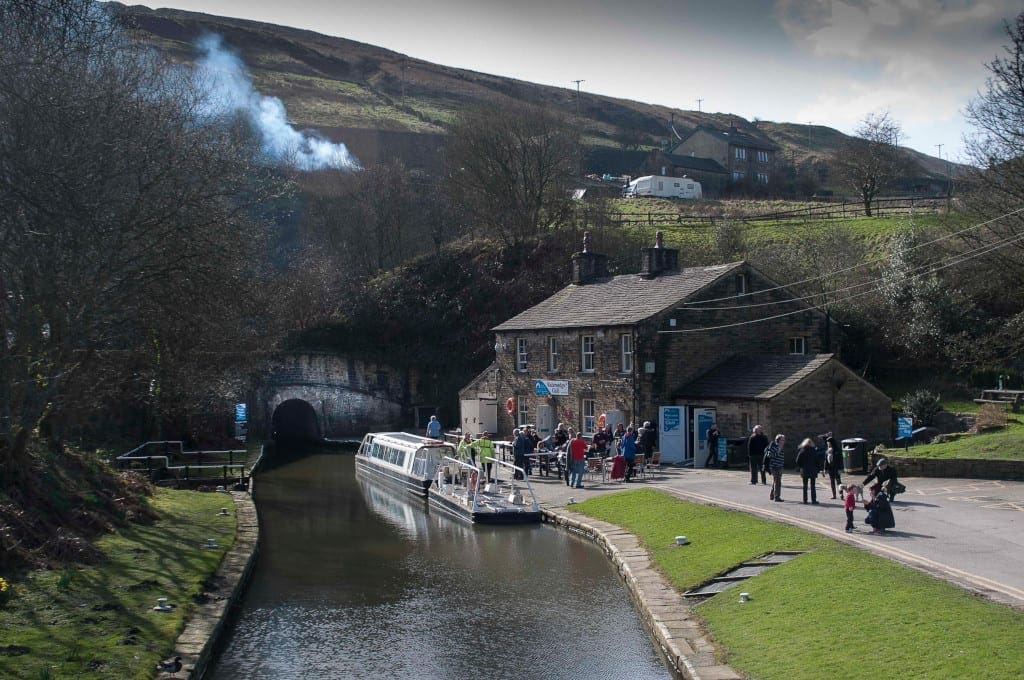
940 151
698 104
578 96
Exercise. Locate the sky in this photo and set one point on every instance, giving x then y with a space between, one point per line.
823 62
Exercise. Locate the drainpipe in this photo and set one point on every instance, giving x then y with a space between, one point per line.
636 355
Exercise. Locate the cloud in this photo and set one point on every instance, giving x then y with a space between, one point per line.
229 89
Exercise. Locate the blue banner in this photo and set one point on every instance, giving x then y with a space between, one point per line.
240 413
905 427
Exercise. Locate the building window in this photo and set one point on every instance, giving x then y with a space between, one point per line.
797 346
587 354
524 411
588 409
521 355
741 154
626 345
762 178
738 176
762 156
742 284
552 354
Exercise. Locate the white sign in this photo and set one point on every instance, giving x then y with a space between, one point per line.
671 434
554 388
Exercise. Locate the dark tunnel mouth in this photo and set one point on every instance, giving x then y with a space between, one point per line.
295 420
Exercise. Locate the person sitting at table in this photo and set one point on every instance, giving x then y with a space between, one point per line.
601 442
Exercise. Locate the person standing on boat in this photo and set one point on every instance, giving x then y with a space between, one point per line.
521 448
434 428
578 460
484 449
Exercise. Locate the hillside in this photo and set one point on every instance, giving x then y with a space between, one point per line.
383 104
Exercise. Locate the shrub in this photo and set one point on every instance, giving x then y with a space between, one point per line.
5 591
990 417
923 405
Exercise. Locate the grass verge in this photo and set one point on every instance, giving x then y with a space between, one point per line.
98 621
1005 444
824 613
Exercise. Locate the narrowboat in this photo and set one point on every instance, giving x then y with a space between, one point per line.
400 460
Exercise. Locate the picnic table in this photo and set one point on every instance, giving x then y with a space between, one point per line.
1013 398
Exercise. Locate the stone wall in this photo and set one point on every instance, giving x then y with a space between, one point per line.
962 468
349 396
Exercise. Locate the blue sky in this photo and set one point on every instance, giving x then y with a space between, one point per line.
826 62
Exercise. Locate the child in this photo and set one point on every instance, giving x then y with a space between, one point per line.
849 495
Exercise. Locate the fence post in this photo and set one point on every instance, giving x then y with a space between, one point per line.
186 472
225 467
231 456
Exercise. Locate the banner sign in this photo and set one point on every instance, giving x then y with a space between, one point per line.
905 427
240 413
553 388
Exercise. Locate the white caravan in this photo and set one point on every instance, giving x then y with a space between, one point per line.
668 187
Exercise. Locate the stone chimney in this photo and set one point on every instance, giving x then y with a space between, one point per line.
659 259
588 266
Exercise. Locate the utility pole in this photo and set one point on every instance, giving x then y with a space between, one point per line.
698 104
809 134
940 151
578 96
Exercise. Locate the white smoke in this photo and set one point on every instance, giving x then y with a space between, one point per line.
223 76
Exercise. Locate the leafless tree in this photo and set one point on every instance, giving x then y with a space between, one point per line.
869 161
509 166
126 223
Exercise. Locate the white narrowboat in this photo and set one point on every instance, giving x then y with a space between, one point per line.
400 460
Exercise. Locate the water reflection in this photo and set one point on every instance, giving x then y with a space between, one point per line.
356 581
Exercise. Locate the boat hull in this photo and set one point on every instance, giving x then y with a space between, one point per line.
453 506
392 478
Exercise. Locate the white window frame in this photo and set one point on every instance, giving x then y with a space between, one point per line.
742 283
626 353
737 175
762 156
588 412
523 409
521 365
587 354
762 178
741 153
797 346
552 353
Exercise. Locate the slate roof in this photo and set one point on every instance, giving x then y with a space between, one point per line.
616 301
754 377
615 161
734 137
695 163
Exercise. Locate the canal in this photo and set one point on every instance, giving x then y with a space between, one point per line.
354 581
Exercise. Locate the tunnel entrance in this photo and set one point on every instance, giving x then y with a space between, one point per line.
294 420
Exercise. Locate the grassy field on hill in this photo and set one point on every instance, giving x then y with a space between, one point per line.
833 611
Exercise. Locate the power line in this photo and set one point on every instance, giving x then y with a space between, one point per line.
844 270
988 248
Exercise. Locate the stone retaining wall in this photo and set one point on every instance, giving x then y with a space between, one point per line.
680 636
966 468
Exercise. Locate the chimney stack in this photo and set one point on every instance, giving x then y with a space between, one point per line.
588 266
659 259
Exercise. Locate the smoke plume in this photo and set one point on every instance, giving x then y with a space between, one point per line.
229 88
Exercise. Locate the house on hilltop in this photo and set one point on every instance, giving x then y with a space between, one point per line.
747 157
679 346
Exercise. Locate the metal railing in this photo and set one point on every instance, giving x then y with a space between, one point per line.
169 457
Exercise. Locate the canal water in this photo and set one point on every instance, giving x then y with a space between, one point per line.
356 581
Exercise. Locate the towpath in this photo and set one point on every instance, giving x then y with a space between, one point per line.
967 531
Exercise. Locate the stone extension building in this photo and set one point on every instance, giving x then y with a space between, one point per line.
679 347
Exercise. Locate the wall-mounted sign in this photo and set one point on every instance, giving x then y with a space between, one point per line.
240 413
552 388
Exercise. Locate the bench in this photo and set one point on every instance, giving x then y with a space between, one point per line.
1014 402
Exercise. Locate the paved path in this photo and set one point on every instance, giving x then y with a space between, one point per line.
970 532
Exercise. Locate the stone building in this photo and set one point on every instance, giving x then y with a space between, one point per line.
680 347
747 157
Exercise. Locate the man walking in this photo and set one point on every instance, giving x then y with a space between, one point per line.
713 435
578 460
776 460
756 445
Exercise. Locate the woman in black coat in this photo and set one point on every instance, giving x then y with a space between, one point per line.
807 462
833 464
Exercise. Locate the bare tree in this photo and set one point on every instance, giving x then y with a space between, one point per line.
871 160
510 166
126 228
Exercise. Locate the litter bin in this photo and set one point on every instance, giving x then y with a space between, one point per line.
853 455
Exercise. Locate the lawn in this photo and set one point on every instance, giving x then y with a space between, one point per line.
1005 444
832 612
98 621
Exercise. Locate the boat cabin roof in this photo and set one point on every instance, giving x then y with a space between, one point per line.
405 440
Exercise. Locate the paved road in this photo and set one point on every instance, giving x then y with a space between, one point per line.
967 531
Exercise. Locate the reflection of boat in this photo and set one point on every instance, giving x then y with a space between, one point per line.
407 515
405 461
460 490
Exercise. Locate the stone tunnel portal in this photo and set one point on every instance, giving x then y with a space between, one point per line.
295 420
